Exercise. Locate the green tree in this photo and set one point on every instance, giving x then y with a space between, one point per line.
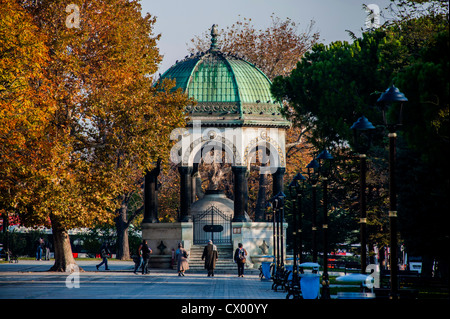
424 184
333 85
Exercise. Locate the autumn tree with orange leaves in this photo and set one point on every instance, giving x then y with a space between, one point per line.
275 50
96 124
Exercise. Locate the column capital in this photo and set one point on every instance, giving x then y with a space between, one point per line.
278 171
185 169
239 169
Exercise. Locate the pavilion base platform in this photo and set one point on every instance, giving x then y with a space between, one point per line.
163 239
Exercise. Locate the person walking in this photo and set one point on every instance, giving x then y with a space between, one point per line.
240 257
139 263
39 249
144 253
47 249
182 263
104 253
210 255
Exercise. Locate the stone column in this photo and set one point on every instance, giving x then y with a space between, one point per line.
151 195
278 177
185 193
240 193
194 182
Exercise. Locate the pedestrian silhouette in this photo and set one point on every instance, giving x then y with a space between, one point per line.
182 260
210 255
104 253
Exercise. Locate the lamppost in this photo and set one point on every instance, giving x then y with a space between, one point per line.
362 138
297 184
313 177
278 218
325 162
281 196
276 255
392 119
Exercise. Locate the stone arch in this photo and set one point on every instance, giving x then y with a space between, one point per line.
193 153
276 154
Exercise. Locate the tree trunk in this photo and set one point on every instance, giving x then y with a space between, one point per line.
64 260
123 248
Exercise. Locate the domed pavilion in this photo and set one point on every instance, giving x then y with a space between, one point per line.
235 113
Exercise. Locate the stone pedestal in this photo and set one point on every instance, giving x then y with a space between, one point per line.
257 260
256 237
160 261
170 234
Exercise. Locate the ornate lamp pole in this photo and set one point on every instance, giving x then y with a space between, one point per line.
276 255
277 220
392 117
362 139
325 161
280 201
313 177
297 185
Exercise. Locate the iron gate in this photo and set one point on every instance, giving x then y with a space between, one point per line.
212 224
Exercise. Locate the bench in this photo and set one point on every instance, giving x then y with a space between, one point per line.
293 289
280 279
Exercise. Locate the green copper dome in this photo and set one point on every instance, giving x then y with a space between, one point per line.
229 91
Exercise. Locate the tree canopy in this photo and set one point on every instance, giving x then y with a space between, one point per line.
334 85
82 117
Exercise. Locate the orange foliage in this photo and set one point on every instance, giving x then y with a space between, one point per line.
80 118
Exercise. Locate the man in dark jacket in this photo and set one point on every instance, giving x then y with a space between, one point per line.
210 255
104 253
144 254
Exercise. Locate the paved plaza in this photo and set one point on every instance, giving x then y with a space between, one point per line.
30 280
29 288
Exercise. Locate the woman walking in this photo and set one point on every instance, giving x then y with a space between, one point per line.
240 257
182 260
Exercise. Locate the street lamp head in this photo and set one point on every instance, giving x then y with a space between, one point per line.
392 96
313 164
362 134
313 171
297 182
299 177
280 199
325 159
293 185
324 155
362 124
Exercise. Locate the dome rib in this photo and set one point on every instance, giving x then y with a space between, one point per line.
233 74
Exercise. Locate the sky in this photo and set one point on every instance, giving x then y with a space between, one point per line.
178 21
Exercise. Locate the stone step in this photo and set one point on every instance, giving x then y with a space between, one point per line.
224 262
224 252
